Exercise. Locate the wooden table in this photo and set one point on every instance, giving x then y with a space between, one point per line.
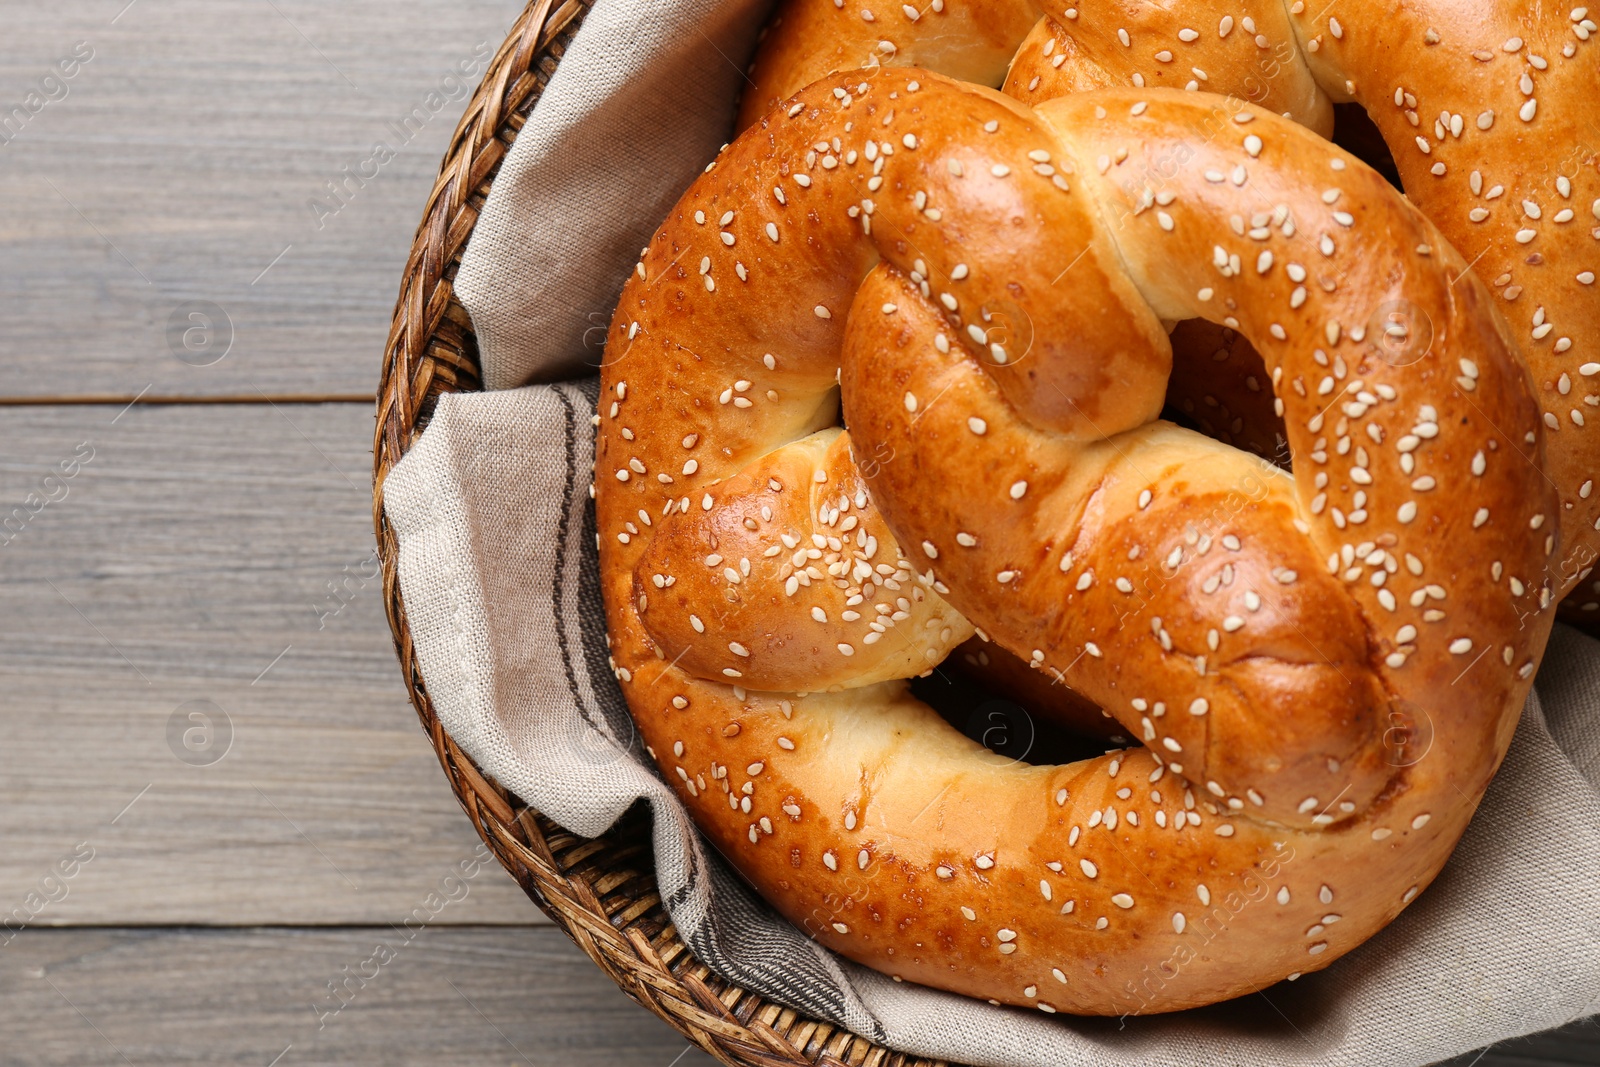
206 209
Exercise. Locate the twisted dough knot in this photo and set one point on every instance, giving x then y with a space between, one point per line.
990 300
1487 108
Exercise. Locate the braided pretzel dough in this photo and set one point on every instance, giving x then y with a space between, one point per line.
770 577
1487 107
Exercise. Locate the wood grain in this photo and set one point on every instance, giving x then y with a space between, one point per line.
216 554
185 156
447 996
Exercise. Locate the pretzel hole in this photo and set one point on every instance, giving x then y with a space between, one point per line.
1357 134
1220 387
1021 730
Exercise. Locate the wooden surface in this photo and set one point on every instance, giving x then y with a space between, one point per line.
185 159
214 559
487 997
218 553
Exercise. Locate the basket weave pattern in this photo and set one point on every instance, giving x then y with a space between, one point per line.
601 891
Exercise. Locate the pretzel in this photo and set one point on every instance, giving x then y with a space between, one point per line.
1488 109
952 259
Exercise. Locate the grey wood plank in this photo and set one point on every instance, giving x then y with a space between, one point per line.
447 996
220 554
193 146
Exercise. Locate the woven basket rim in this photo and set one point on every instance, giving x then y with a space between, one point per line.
601 892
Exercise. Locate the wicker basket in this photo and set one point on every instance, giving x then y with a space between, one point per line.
601 891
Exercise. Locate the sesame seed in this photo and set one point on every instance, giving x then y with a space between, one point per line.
1018 489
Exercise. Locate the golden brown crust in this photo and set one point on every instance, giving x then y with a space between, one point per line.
970 40
1220 387
1486 108
873 217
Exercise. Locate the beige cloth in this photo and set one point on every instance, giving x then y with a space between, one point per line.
498 570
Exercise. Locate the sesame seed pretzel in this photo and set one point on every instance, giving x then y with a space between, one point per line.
1488 108
952 260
